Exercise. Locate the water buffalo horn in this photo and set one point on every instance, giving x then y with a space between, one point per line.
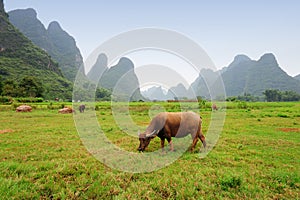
151 134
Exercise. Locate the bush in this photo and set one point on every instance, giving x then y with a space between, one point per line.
29 100
5 100
15 105
50 106
242 105
282 115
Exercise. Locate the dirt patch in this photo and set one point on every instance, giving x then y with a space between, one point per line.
289 129
6 131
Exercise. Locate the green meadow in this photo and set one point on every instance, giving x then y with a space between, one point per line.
256 157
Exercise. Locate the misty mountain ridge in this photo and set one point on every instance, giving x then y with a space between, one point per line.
243 75
120 78
254 77
54 40
155 93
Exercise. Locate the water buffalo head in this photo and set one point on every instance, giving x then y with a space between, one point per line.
145 139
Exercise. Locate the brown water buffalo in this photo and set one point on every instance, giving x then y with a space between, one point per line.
214 107
173 124
82 108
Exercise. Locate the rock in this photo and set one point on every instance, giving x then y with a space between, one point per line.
24 108
66 110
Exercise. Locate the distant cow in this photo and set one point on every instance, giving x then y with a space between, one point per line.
81 108
214 107
173 124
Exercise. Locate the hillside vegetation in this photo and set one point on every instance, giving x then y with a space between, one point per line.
19 58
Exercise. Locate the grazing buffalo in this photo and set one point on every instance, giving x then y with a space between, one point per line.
81 108
214 107
173 124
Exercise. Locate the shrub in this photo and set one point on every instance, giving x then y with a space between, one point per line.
15 105
230 182
50 106
282 115
5 100
242 105
29 100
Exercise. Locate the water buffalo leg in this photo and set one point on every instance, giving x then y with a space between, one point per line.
195 140
171 144
162 143
202 138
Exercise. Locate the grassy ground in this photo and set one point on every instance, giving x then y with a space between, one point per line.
256 157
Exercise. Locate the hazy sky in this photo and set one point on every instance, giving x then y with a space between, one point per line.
222 28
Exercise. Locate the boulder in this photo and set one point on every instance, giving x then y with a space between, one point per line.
66 110
24 108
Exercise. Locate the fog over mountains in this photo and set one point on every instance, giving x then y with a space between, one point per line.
243 75
120 78
54 40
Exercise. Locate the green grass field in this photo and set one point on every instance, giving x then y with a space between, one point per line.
257 156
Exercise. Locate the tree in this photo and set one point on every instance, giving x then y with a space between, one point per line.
1 85
272 95
30 87
9 88
290 96
276 95
103 94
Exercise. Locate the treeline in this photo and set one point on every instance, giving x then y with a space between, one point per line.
30 89
28 86
270 95
277 95
245 97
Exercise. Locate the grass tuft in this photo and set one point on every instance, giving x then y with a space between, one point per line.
230 182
